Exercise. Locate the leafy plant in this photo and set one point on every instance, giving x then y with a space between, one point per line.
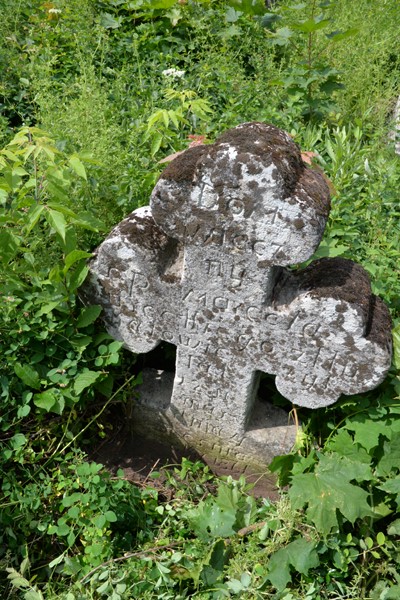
309 80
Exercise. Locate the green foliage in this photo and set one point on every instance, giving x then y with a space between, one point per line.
50 353
308 78
118 85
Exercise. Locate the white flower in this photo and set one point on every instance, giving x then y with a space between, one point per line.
173 73
54 11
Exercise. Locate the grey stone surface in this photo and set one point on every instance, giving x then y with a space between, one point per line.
205 268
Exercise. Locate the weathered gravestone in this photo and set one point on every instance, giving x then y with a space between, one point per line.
204 267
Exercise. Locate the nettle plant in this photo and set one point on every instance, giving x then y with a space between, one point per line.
303 40
50 353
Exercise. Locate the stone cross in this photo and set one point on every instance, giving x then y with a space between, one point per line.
205 268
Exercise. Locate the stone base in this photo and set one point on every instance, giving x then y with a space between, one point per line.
268 434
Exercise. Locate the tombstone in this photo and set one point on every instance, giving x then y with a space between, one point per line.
206 268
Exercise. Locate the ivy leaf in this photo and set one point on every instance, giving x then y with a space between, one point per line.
300 554
326 491
88 315
85 379
28 375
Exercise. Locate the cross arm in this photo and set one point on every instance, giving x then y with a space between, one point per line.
135 276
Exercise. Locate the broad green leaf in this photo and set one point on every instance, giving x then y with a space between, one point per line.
156 143
81 341
85 380
19 171
9 244
156 117
74 511
78 277
45 400
392 486
109 22
311 25
57 221
157 4
281 36
337 36
210 521
299 554
110 516
269 18
99 521
326 491
174 118
58 193
390 460
105 386
88 221
343 444
47 308
77 166
23 411
88 315
17 441
62 209
3 195
28 375
231 15
56 561
394 528
73 257
214 563
33 216
59 406
367 433
249 7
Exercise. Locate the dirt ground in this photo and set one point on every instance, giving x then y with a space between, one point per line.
139 457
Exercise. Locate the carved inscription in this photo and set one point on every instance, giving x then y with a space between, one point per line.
243 209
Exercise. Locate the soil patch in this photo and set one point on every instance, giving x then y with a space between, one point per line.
140 457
